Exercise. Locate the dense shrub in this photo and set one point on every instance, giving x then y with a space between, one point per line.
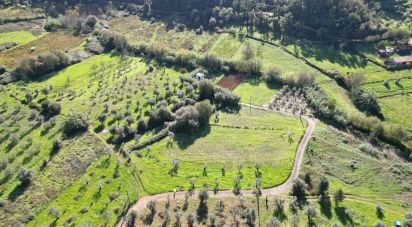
225 98
159 116
50 109
209 61
272 76
187 119
185 58
75 123
52 25
205 110
251 66
33 68
157 50
389 132
366 101
112 40
206 90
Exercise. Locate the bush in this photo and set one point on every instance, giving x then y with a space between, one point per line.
25 176
52 25
50 109
111 40
367 148
252 67
225 98
33 68
366 101
159 117
206 90
273 76
210 61
75 123
185 58
187 119
205 110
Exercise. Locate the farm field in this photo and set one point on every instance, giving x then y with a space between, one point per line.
49 42
362 212
228 144
142 118
99 196
358 168
34 150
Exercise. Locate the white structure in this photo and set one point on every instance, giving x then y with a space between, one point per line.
200 76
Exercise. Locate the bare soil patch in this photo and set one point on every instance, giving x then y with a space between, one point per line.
231 81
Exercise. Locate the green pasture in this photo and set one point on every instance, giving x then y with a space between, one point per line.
235 139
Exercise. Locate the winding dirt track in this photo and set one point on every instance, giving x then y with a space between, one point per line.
280 189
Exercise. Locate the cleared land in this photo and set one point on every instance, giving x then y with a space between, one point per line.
230 81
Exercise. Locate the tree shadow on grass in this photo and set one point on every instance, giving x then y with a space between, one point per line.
99 129
17 192
184 140
326 206
343 217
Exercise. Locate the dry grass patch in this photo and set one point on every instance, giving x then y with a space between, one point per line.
50 42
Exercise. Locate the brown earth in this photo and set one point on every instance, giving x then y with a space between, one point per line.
231 81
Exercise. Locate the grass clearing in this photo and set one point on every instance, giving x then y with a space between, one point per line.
19 37
236 139
397 109
256 90
226 46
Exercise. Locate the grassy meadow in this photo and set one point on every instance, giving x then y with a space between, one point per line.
215 152
19 37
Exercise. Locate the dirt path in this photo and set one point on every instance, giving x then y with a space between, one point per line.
280 189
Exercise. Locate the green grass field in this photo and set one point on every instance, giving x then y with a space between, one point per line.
261 137
226 46
255 90
397 109
19 37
